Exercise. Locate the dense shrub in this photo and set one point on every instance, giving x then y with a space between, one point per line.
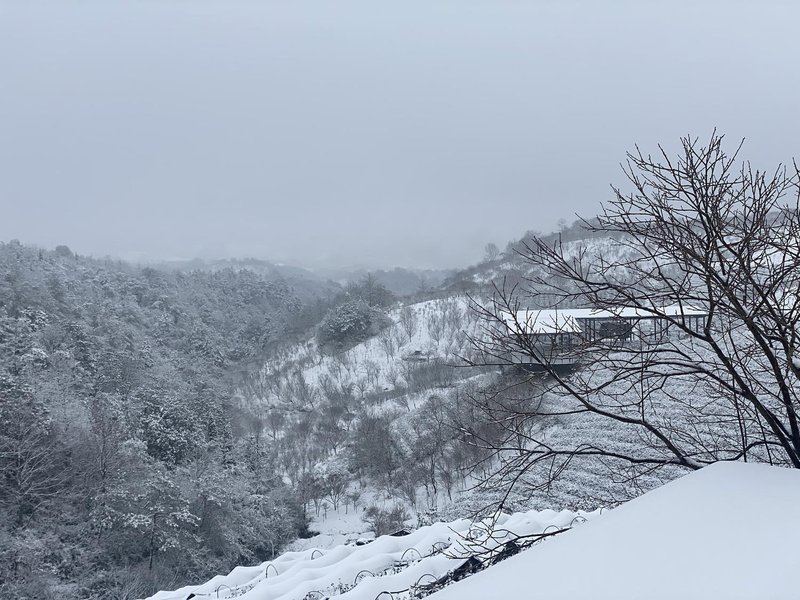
350 323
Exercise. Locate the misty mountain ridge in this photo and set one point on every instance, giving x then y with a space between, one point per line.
510 265
401 281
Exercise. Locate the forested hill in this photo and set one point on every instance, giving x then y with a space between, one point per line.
119 440
306 284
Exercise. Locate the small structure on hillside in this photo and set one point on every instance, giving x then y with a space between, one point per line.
417 356
402 532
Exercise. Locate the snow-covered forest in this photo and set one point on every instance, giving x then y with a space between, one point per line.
120 441
160 425
165 425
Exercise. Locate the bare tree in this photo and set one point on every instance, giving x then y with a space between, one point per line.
409 321
32 466
387 340
491 252
699 233
335 484
393 376
437 325
373 370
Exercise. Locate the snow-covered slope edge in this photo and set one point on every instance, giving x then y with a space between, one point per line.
405 567
727 531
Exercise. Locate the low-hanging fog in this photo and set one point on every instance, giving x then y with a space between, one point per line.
370 133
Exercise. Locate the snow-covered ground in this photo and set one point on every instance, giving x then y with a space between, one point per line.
402 566
338 527
727 532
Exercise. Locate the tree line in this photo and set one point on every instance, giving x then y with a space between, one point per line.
125 464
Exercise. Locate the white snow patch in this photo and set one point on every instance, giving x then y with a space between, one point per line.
726 531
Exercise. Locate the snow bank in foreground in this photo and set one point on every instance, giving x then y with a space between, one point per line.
726 532
393 564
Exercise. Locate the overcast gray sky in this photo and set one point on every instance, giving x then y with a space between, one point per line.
377 133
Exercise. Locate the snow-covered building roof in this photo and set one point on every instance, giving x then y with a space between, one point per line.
726 532
547 321
543 321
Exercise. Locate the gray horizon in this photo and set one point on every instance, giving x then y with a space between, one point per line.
360 133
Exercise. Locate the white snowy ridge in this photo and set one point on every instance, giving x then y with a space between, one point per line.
400 568
726 532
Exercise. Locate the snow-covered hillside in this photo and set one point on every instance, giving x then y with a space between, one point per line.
402 567
433 331
512 267
311 404
371 425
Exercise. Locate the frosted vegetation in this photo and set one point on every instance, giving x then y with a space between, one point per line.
378 414
122 457
165 425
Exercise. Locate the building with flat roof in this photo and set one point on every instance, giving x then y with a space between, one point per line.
555 337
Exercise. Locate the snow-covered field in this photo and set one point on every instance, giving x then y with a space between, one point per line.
726 532
402 566
338 527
